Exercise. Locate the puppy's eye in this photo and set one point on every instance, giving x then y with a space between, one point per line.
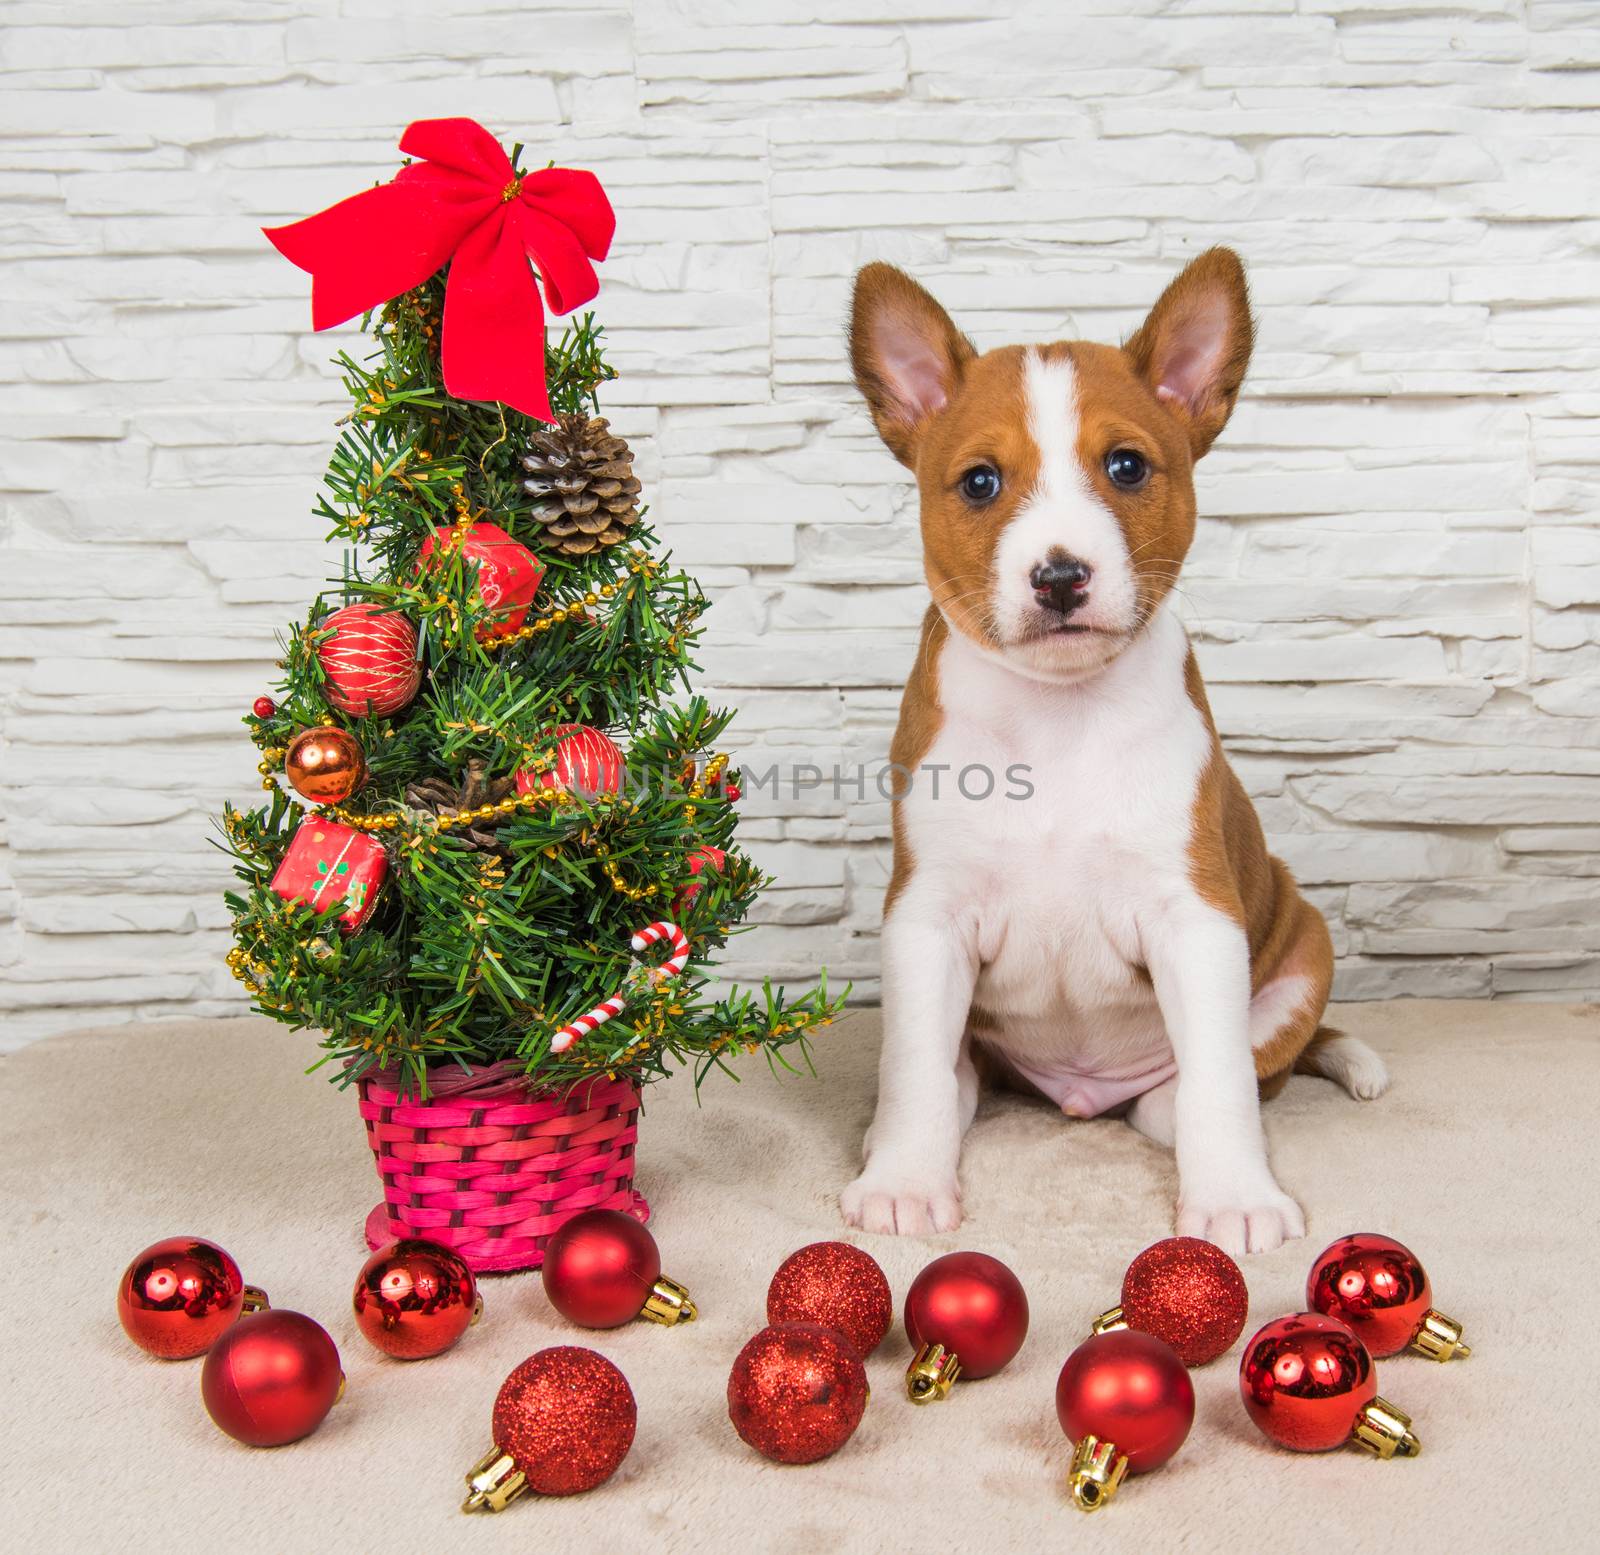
980 484
1127 468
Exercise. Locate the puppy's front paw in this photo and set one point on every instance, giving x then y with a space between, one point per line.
1249 1222
894 1206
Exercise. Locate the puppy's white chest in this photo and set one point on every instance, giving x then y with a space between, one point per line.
1087 828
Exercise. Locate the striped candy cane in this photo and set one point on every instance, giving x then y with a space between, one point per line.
651 934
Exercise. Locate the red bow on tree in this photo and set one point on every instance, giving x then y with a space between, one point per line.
465 203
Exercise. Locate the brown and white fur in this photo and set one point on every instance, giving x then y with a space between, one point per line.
1121 938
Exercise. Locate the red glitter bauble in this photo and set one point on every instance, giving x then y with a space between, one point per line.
974 1306
271 1379
585 762
178 1297
1131 1390
1305 1379
797 1391
264 707
566 1417
600 1268
369 660
415 1298
836 1285
1375 1286
1189 1293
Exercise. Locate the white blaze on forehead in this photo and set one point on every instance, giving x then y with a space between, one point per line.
1061 514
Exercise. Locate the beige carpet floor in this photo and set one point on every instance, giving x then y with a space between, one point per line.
1482 1157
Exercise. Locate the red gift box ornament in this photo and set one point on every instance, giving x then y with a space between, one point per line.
509 574
329 862
463 203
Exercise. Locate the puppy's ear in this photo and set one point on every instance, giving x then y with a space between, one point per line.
908 356
1194 347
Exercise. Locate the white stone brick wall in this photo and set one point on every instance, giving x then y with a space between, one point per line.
1396 590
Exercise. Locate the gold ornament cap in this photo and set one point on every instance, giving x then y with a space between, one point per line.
1109 1321
1385 1431
255 1300
1439 1338
495 1482
1097 1469
668 1303
932 1371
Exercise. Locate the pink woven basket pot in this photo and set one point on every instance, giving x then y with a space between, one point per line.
493 1169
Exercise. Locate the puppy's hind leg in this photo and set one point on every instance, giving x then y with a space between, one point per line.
1347 1061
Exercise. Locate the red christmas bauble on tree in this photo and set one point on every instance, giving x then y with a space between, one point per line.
271 1379
1310 1384
369 660
966 1316
563 1421
179 1296
509 574
1378 1287
602 1269
586 763
414 1298
797 1392
1187 1292
1126 1402
264 707
701 859
836 1285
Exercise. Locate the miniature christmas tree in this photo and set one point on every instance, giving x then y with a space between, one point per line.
502 776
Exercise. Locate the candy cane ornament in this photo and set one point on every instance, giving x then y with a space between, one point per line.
651 934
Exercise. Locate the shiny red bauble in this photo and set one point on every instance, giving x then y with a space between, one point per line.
1305 1379
838 1286
179 1296
264 707
701 859
415 1298
369 660
585 763
797 1392
1189 1293
271 1379
1375 1286
600 1268
565 1418
970 1304
1129 1389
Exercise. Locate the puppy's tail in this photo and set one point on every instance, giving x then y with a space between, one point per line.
1346 1060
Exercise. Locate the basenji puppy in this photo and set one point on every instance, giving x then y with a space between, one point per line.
1119 937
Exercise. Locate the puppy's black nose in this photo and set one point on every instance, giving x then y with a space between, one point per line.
1061 584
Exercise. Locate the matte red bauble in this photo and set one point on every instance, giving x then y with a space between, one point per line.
838 1286
415 1298
563 1422
797 1392
585 762
1126 1402
325 765
602 1269
966 1316
508 573
701 859
264 707
177 1298
369 660
1187 1292
1310 1384
271 1379
1378 1287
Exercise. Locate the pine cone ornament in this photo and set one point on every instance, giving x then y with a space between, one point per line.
580 476
436 796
